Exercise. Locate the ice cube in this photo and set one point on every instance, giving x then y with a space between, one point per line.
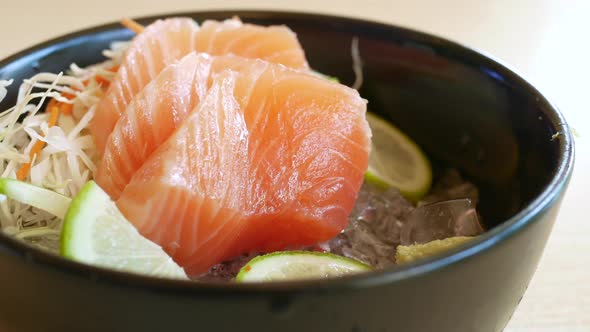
438 221
468 224
449 186
374 229
367 245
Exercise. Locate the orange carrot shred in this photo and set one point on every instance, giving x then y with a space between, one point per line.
102 81
22 173
68 95
53 116
132 25
66 109
52 103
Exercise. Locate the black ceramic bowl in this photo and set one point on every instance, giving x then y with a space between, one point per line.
465 109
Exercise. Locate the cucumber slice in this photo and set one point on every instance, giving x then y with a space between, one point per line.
40 198
294 265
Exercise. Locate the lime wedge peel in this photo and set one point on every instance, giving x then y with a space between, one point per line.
95 232
397 161
297 265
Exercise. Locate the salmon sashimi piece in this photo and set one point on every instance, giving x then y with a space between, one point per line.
260 165
165 42
157 111
150 118
276 44
161 43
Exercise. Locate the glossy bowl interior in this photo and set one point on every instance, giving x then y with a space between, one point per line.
465 109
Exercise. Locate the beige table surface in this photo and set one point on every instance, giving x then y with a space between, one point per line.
546 40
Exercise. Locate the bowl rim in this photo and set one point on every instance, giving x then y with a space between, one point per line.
549 195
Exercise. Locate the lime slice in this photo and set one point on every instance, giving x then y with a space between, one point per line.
396 161
408 254
95 232
40 198
294 265
329 78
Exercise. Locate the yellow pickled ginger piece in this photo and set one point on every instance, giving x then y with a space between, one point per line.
411 253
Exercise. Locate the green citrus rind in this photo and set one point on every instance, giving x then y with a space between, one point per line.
329 264
413 187
96 233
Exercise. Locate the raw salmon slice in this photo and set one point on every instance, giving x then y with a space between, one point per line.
161 43
166 41
158 110
277 44
260 165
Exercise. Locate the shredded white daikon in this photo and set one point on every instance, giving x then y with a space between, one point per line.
3 85
68 159
357 64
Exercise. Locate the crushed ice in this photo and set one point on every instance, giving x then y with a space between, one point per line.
382 221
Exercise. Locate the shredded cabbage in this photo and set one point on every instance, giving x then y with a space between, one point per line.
68 159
